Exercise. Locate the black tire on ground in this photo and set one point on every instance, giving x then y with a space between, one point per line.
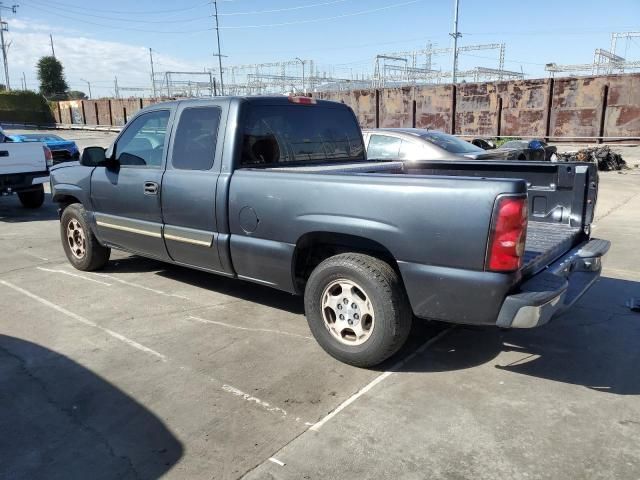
32 198
382 286
94 256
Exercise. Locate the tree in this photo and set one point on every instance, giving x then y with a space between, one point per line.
51 76
76 95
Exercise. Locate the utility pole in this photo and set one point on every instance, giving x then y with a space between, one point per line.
115 87
4 27
219 55
89 85
153 74
53 52
455 35
304 89
24 81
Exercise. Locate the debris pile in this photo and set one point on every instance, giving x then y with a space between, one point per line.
602 156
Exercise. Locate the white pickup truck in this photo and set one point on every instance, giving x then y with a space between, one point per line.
24 169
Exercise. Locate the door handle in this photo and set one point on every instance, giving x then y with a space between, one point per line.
4 153
150 188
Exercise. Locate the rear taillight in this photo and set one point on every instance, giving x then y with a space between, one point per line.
508 235
48 156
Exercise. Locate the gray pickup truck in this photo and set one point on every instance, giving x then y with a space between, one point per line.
278 191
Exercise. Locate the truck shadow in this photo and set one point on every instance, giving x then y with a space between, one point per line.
61 420
240 289
594 344
11 211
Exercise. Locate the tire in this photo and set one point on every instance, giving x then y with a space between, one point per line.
32 198
78 241
378 289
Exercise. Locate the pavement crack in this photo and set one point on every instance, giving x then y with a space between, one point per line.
69 413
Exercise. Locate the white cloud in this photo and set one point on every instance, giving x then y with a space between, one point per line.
94 60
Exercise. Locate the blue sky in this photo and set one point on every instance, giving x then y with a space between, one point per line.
97 40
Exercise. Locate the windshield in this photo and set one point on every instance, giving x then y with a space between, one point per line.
450 143
283 134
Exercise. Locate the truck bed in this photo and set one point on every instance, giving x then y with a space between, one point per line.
545 243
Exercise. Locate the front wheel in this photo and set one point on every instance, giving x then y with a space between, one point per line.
80 244
32 198
357 309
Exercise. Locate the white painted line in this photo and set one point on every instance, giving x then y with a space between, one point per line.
64 272
267 330
379 379
83 320
250 398
36 256
137 285
277 462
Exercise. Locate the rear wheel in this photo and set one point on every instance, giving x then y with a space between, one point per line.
357 309
80 244
32 198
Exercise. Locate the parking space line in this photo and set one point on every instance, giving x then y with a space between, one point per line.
36 256
250 398
237 327
395 368
137 285
70 274
84 321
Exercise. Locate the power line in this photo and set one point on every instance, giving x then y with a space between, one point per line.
128 12
324 19
129 20
287 9
295 22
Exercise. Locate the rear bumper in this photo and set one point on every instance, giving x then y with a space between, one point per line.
555 289
21 182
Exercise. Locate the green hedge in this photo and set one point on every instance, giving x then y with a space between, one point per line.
25 107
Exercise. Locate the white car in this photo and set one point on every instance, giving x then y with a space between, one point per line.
24 169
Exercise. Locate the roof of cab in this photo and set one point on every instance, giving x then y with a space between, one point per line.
265 100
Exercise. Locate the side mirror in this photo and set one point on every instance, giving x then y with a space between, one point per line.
96 157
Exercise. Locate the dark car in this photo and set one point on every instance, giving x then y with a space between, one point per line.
422 144
534 150
61 149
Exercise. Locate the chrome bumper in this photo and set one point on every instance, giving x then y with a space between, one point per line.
554 289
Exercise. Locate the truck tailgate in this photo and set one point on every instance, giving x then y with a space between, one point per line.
545 243
22 158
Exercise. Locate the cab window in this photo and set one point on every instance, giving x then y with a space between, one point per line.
142 143
194 146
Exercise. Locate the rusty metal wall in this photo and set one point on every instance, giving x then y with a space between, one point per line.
476 109
433 107
524 107
573 107
622 116
363 103
396 107
576 106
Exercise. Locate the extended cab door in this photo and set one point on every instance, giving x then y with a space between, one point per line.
126 198
189 185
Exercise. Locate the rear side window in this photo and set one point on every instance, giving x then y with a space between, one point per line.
194 146
282 134
383 147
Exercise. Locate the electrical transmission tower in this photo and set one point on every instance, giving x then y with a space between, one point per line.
604 61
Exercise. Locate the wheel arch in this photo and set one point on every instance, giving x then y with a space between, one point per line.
312 248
